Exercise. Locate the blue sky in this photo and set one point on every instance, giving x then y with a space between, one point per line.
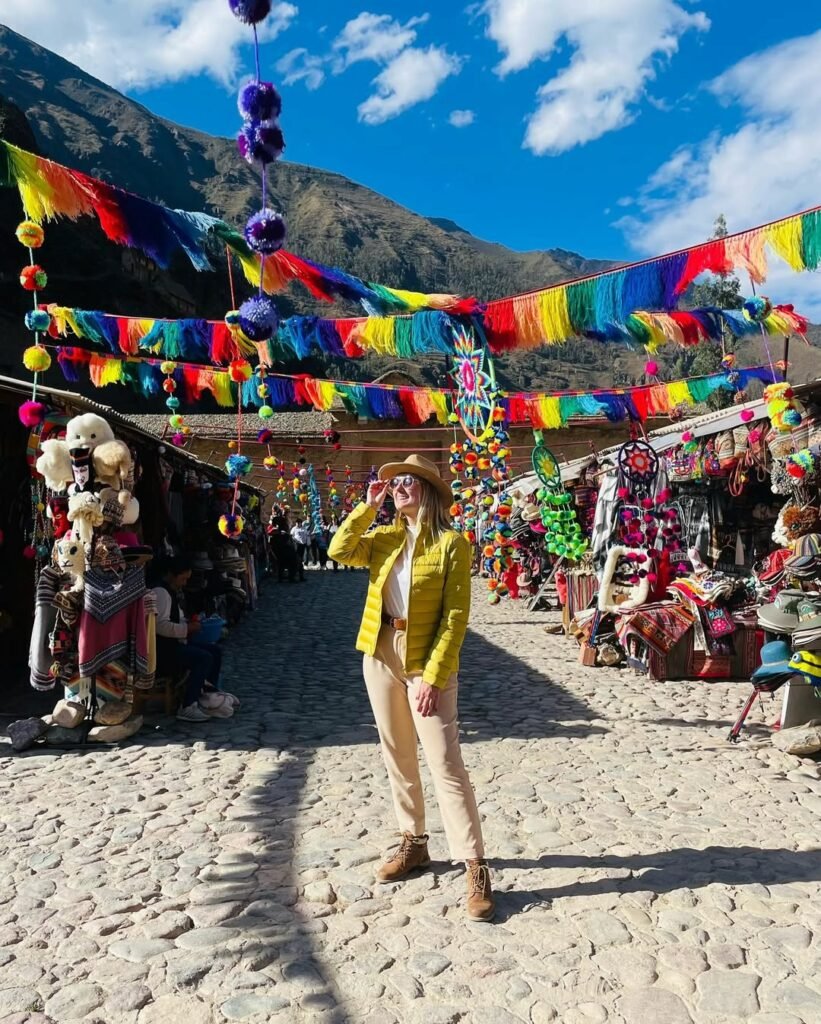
614 128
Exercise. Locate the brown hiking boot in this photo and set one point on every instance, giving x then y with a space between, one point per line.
409 856
480 905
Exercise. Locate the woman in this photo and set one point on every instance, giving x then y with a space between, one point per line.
175 654
415 620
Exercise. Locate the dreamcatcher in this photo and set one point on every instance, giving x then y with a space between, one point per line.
476 387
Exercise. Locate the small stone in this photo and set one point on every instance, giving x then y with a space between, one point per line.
169 925
726 955
205 938
799 740
137 951
495 1015
26 732
74 1001
44 861
113 712
602 929
427 964
68 714
171 1009
728 993
653 1005
115 733
242 1006
319 892
126 998
350 893
793 936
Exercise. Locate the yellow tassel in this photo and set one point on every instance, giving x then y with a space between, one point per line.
679 394
785 238
439 402
59 316
222 390
326 393
549 413
379 335
555 316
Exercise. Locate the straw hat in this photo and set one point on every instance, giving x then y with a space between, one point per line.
419 466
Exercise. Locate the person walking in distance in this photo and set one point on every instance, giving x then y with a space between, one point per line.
302 539
413 626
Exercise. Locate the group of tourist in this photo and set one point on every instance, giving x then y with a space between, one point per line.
305 544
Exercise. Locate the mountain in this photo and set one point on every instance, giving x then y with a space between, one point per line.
54 108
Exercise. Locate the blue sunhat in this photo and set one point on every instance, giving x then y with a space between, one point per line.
775 661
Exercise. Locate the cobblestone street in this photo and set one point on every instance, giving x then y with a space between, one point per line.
648 871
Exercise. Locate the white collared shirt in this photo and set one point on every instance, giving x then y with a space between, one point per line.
396 592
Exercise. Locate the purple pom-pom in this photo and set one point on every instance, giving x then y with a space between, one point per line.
259 101
265 232
250 11
260 143
258 318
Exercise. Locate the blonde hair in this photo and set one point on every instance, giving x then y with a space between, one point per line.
433 517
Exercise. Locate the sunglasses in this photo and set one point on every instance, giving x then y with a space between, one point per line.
402 481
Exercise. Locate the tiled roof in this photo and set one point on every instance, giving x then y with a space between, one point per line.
221 425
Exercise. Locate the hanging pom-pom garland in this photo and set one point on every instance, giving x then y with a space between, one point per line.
36 359
33 278
237 466
31 413
782 408
38 320
29 234
265 232
231 526
757 308
259 101
258 318
252 12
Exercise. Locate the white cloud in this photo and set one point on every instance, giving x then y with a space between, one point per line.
410 78
374 37
135 44
461 118
616 44
300 66
770 166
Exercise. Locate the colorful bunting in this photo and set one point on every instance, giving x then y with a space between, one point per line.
49 190
397 402
428 331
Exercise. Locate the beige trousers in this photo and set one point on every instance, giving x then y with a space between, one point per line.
393 698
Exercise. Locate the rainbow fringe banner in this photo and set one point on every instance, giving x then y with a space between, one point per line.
430 331
602 305
415 405
49 190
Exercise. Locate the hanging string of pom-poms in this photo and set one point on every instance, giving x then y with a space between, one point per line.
415 405
49 190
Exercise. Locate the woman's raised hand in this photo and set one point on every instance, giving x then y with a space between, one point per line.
377 492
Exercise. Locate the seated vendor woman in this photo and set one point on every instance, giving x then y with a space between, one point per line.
178 652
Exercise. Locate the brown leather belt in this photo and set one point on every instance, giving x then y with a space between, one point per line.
400 625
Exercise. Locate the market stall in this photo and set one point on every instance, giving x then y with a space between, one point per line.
88 501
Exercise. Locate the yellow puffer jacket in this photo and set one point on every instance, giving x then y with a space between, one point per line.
439 602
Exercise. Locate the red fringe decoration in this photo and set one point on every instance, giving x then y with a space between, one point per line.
641 403
223 346
692 331
711 257
517 409
500 326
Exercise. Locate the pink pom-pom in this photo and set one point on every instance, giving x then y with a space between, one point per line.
623 492
633 579
664 495
754 436
652 578
651 368
647 503
178 440
28 551
647 518
31 413
687 436
747 415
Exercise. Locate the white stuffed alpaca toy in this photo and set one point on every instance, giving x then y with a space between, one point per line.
70 558
92 465
638 594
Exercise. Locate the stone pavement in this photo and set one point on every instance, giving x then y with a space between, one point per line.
649 873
